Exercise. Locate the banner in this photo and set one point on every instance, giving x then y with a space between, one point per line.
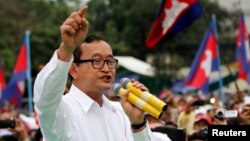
173 17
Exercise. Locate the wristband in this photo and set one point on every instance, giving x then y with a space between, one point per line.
138 126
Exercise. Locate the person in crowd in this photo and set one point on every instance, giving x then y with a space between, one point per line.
12 128
85 113
202 135
201 121
186 118
245 115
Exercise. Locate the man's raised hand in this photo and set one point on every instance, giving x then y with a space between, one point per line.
73 31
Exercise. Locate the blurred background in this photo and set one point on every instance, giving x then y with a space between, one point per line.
125 25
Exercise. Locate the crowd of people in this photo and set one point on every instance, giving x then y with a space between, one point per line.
193 113
186 118
16 125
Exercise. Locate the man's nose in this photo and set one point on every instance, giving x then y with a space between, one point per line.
105 66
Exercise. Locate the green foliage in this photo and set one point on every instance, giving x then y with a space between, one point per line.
42 18
125 24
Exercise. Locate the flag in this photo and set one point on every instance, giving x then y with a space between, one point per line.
243 51
2 81
173 17
205 61
16 86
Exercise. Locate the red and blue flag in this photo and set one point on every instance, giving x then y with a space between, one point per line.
243 51
173 17
205 61
2 81
16 87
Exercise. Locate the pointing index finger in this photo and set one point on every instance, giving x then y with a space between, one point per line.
83 10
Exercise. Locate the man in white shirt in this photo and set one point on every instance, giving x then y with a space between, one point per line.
85 114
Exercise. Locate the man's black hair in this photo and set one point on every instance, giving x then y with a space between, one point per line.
201 135
78 51
89 39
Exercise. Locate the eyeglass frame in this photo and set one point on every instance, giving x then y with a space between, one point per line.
107 61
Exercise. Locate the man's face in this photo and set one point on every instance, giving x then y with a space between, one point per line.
90 79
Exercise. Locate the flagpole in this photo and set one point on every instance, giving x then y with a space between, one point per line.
29 78
222 95
227 66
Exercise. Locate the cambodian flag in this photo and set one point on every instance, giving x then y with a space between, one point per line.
173 17
2 81
206 61
243 51
16 86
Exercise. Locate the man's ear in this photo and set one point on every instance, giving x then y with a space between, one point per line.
73 71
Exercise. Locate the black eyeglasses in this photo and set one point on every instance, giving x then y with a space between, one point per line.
99 63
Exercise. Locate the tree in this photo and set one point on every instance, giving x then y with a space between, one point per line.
42 18
126 25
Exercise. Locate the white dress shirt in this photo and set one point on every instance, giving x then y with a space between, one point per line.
75 116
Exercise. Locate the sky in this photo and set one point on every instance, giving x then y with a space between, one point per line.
232 5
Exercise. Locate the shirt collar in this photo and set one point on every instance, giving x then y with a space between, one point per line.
85 101
107 103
